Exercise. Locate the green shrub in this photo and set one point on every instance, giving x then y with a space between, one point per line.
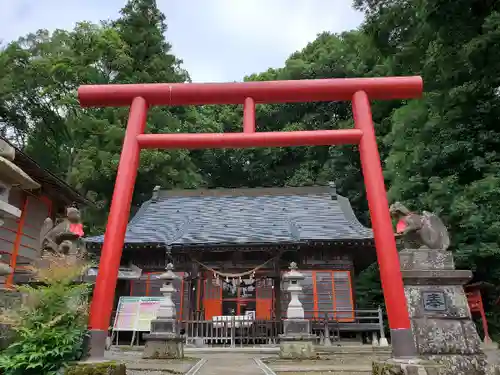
51 323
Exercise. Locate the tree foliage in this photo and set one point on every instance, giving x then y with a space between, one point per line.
439 153
39 108
442 151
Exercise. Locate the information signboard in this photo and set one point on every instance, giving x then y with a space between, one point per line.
136 313
148 307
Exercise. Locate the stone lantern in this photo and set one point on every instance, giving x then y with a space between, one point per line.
296 341
5 269
167 308
10 175
293 279
165 341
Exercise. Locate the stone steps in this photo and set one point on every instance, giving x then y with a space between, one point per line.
345 360
362 355
317 370
343 350
355 349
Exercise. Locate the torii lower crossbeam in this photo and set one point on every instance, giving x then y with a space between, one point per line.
141 96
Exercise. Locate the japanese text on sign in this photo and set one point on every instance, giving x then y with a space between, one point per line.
136 313
434 301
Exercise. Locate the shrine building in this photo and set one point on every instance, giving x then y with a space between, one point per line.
230 248
20 230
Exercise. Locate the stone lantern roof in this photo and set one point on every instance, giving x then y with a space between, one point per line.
11 175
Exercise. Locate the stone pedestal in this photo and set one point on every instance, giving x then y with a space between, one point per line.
163 346
408 366
5 270
442 326
296 341
165 340
294 327
8 299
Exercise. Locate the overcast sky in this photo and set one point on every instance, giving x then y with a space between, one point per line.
219 40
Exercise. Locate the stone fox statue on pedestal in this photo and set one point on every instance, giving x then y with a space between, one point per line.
65 236
425 231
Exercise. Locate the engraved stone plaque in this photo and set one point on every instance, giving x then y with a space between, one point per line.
434 301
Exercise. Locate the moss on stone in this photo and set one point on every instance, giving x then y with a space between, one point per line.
101 368
381 368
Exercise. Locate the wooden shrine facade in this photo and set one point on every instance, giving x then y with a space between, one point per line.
230 249
328 288
20 237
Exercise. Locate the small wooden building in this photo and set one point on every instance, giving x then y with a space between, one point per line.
20 238
231 247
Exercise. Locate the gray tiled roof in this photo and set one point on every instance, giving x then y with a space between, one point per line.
244 216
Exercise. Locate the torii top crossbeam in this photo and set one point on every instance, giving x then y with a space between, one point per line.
314 90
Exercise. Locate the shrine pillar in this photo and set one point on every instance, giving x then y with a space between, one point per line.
475 299
277 289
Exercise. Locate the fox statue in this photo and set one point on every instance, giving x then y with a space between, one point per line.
65 236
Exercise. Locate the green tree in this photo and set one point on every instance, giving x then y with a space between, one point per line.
142 27
442 151
350 54
439 153
82 146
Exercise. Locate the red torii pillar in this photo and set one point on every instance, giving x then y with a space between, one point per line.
358 90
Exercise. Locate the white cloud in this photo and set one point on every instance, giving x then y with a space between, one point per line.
219 40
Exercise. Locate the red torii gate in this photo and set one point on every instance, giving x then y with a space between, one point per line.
358 90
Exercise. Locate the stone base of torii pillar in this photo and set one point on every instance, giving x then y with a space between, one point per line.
297 342
165 341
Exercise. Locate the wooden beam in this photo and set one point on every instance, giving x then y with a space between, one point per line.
277 288
17 243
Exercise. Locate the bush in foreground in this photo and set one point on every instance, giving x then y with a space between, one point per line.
50 324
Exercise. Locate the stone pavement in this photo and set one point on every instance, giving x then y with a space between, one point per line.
229 364
137 365
213 362
345 360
